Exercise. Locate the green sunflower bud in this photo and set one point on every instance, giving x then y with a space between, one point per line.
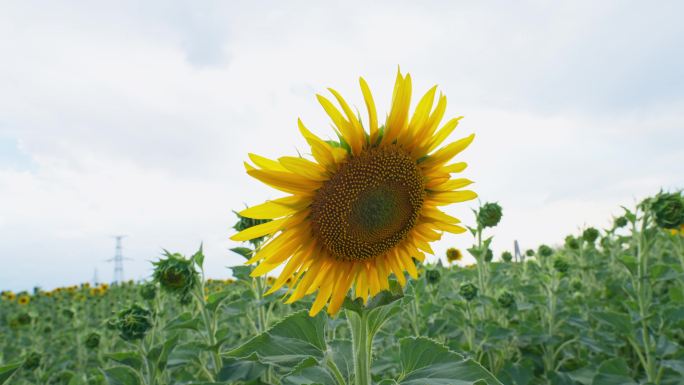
620 222
32 361
92 341
668 210
176 274
529 253
545 251
24 319
68 313
489 255
561 265
572 243
605 243
506 256
576 285
468 291
590 235
506 300
432 276
489 215
148 291
134 322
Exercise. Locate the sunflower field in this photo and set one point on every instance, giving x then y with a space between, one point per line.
336 288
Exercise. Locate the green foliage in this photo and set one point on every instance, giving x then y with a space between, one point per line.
581 315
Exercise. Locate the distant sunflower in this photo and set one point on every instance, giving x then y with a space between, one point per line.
365 206
24 300
453 254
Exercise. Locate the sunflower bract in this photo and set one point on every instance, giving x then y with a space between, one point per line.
361 209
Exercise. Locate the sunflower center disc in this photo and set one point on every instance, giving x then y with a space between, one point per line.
369 205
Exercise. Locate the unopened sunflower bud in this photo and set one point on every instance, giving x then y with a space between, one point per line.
620 222
24 319
176 274
453 254
572 243
590 235
506 300
529 253
489 255
148 291
545 251
134 322
561 265
432 276
489 215
576 285
468 291
668 210
32 361
92 341
506 256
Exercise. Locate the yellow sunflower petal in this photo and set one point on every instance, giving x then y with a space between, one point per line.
449 197
259 230
372 113
277 208
303 167
286 181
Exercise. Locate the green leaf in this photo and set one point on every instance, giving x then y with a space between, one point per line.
184 321
614 372
242 272
244 251
288 342
122 375
131 359
236 370
6 371
425 361
215 299
308 372
198 257
620 322
160 353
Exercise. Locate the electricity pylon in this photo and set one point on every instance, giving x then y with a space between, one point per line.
118 260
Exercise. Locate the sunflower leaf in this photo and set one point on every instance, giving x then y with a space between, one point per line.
287 343
425 361
6 371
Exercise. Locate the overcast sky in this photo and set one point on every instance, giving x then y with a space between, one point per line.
134 118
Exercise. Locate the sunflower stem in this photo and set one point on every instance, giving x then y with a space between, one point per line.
362 344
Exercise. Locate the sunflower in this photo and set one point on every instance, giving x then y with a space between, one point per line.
453 254
24 300
363 207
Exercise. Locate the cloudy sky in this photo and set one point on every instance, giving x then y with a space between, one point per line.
134 118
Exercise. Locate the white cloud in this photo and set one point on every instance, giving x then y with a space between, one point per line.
136 118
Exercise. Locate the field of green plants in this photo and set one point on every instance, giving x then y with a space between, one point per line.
602 307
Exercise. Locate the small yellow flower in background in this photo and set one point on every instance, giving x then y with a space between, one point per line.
104 286
453 254
24 300
363 208
96 291
679 231
9 296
